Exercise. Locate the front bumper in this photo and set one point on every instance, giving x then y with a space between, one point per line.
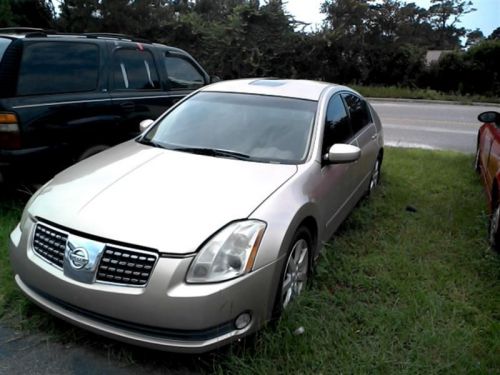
167 314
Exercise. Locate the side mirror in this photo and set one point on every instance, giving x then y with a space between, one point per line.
214 79
341 153
144 124
490 116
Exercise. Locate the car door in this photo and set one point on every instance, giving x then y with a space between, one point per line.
493 153
365 133
337 183
137 92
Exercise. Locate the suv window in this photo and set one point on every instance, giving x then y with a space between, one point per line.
337 128
182 74
134 70
358 109
58 67
4 43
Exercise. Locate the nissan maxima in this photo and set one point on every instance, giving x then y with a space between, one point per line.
207 225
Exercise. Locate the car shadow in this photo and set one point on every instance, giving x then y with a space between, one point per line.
83 352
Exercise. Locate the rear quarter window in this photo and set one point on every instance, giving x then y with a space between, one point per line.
359 112
10 56
4 43
58 67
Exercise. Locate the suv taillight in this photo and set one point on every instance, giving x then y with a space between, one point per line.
10 137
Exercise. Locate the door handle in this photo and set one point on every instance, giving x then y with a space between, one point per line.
374 136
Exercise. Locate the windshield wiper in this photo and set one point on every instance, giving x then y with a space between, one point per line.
213 152
149 142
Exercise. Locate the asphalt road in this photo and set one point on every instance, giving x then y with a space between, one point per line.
430 125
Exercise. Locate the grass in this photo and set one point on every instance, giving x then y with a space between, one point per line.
414 93
395 291
10 213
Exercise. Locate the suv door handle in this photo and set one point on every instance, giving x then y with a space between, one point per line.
128 106
374 136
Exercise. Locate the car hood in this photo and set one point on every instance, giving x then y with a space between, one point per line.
162 199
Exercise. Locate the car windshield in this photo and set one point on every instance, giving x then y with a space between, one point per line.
244 126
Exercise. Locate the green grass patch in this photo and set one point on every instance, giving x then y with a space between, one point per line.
414 93
10 213
394 292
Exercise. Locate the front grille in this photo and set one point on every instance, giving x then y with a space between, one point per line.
126 266
117 265
50 244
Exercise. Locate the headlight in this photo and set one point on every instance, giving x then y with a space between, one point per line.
228 254
25 215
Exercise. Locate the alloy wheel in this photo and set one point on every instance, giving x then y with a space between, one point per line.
375 175
295 275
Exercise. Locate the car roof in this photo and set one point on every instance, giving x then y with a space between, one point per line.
292 88
80 37
41 34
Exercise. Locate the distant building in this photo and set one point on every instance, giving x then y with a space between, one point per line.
433 56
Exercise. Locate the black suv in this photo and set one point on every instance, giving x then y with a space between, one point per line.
64 97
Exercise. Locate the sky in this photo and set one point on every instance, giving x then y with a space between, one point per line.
486 17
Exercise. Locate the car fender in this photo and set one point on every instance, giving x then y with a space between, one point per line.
283 220
281 228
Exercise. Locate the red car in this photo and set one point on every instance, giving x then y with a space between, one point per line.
488 165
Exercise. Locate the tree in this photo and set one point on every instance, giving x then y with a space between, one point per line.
444 17
474 37
346 17
401 23
31 13
216 10
79 16
495 34
5 13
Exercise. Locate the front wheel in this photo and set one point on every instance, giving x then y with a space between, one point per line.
375 177
295 271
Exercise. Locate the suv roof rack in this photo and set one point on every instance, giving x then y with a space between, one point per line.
32 32
19 30
116 36
108 35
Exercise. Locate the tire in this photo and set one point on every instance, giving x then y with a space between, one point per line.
91 151
292 282
375 177
494 227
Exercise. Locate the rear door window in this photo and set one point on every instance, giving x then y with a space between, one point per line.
134 70
182 74
359 112
58 67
